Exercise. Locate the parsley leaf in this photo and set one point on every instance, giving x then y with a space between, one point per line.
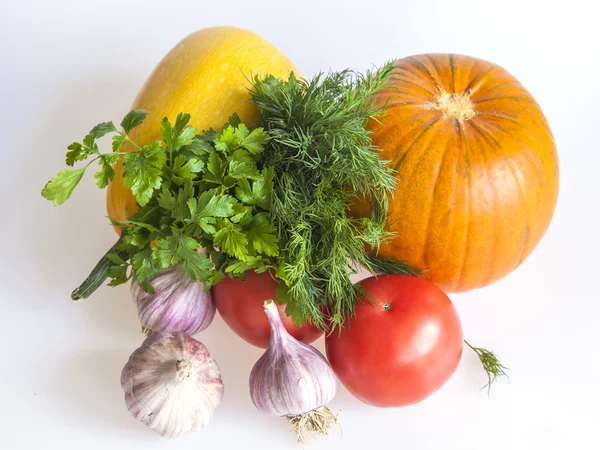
243 191
186 137
259 193
137 236
234 121
60 188
102 129
144 268
116 259
216 169
256 263
255 141
166 131
227 141
181 210
239 169
196 265
166 252
180 123
263 187
106 173
89 142
179 135
184 168
262 235
166 200
133 119
118 275
179 247
239 212
142 172
205 209
198 147
77 152
232 241
241 132
118 141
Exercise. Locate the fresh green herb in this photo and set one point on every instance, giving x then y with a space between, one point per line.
203 201
322 157
492 366
60 188
221 203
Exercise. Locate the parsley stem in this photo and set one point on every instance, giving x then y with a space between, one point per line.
92 161
132 141
98 274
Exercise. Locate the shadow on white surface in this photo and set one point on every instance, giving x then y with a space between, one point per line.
112 312
87 389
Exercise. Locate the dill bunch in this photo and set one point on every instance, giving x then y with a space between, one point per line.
323 157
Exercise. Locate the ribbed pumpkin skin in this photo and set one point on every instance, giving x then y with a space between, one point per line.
474 197
204 75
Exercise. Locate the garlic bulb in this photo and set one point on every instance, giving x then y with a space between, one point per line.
172 384
178 304
294 380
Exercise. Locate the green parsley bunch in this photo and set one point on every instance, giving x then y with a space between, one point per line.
204 202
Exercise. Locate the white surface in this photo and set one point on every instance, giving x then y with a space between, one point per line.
69 65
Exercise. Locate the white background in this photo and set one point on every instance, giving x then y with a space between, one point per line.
65 66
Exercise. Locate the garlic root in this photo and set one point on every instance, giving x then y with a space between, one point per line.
317 421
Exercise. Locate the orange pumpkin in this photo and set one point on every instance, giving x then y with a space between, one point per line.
476 166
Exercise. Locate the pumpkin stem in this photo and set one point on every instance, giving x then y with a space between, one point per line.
98 273
455 106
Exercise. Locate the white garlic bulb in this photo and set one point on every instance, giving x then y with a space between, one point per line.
178 304
294 380
172 384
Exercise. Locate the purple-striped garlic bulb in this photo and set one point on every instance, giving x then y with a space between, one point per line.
172 384
293 380
178 304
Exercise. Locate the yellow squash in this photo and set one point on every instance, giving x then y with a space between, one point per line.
205 75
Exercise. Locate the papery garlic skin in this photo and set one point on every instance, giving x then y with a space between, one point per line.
291 378
172 384
178 304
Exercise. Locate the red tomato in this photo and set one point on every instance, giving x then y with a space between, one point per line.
240 303
402 347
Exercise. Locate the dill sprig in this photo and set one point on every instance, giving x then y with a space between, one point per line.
323 157
491 364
